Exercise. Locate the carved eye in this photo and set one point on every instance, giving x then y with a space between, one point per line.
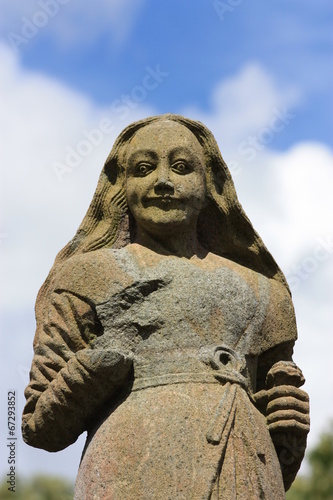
225 358
143 169
181 167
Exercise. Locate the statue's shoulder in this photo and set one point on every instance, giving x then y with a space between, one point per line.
216 262
277 290
274 308
93 274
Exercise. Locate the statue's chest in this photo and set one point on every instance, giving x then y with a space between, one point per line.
177 304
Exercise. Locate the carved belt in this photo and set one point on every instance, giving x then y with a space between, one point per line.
212 365
228 367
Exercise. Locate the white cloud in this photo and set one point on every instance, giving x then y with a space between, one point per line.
294 186
245 104
286 195
84 21
68 22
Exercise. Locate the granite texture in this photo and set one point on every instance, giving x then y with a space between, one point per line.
165 329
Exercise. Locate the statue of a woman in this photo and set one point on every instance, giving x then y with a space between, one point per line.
166 330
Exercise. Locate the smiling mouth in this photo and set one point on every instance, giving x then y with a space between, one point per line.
163 201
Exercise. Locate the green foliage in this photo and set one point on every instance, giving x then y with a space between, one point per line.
318 485
38 488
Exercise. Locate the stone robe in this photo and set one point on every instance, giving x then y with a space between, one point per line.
158 358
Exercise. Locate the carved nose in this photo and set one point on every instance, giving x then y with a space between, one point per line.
164 186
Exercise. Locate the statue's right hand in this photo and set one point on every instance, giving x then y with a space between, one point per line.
103 341
112 363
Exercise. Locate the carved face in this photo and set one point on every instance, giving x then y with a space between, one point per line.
165 177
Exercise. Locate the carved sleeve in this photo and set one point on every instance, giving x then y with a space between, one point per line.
279 396
279 332
69 381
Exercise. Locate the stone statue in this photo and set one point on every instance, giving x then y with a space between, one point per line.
166 329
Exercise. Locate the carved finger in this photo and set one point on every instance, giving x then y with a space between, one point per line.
287 403
285 391
285 373
289 426
285 415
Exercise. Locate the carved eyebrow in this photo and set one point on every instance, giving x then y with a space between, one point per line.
180 149
142 152
152 155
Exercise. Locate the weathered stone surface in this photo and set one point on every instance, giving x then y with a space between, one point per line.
166 330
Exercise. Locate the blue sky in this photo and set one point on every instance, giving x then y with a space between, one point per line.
258 74
198 43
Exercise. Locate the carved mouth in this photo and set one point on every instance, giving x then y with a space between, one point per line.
163 201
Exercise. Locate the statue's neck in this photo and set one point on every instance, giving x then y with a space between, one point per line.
184 244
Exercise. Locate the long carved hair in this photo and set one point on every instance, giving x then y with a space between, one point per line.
223 227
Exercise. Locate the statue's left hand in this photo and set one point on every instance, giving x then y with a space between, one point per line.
287 405
287 409
288 421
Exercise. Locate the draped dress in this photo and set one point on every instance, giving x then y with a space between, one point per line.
158 358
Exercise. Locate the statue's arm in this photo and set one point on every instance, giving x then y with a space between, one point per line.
279 396
69 381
